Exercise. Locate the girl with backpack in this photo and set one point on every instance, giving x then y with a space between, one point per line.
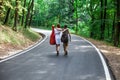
65 39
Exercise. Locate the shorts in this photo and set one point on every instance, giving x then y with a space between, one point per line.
65 44
58 41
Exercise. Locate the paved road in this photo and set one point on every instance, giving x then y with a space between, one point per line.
41 63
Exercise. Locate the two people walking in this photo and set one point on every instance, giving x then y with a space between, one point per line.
62 35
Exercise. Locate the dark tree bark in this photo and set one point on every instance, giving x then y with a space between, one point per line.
7 16
1 10
23 13
102 27
104 19
32 4
16 17
117 28
92 20
28 14
113 27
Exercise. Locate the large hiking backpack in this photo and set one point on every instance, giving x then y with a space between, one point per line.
52 37
64 37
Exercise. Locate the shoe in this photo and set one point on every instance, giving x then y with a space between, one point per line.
66 53
57 53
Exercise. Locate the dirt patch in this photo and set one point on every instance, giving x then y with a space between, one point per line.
8 49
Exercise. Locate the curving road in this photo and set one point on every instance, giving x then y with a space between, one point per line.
84 62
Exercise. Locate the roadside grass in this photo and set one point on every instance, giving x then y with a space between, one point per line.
33 36
21 37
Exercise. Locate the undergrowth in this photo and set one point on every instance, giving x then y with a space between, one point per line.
21 37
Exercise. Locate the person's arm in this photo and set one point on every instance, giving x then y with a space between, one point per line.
64 30
59 29
69 35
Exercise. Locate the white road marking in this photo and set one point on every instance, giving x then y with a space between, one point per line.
24 51
107 73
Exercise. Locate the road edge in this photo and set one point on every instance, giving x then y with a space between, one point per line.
40 41
108 72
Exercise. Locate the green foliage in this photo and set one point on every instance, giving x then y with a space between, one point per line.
83 29
85 17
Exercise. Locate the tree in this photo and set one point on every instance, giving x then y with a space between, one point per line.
104 20
102 27
117 28
31 15
9 7
28 13
16 16
1 9
76 13
7 16
24 4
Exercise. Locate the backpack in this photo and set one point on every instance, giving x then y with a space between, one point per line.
64 37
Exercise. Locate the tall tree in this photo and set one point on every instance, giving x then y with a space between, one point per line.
92 19
28 13
16 16
7 16
117 28
8 7
101 26
1 9
23 15
31 15
76 12
104 19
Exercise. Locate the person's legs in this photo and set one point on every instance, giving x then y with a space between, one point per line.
65 46
57 48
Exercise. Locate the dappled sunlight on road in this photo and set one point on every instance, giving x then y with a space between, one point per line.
77 40
88 76
83 47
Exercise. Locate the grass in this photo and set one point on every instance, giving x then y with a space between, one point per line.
31 34
22 37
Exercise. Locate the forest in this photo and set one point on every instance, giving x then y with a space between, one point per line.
97 19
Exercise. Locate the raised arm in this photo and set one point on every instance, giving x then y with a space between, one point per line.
59 29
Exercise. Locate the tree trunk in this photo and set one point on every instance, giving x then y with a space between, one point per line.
76 17
32 4
28 14
102 27
30 20
7 16
113 27
1 10
117 28
92 20
16 17
23 11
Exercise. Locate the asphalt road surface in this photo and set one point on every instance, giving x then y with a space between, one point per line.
84 62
